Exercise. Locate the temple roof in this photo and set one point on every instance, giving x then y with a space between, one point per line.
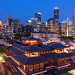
33 60
56 55
4 47
62 55
32 48
12 62
16 51
5 65
59 72
12 41
18 45
45 32
31 38
46 47
58 45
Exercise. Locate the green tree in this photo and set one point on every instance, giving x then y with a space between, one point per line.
1 49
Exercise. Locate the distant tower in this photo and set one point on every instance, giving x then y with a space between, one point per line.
56 14
38 16
8 20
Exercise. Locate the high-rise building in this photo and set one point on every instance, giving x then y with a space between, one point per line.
51 25
34 21
56 14
38 16
15 24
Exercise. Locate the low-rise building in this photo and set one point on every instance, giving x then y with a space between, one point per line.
33 59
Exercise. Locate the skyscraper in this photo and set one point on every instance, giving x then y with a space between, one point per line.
38 16
56 14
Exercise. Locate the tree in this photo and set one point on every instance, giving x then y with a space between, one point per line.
1 49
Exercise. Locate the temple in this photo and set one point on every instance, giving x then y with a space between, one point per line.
33 58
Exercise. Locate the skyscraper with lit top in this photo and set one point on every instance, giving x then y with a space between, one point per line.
56 14
38 16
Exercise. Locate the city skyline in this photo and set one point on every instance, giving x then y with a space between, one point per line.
25 10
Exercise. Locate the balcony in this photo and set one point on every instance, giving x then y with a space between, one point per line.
26 72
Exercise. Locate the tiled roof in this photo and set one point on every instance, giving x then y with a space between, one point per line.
5 47
46 47
33 48
5 65
58 45
62 55
14 64
12 41
56 55
62 71
31 38
20 46
59 72
48 55
16 45
46 32
33 60
15 51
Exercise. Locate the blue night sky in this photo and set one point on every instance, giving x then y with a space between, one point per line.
25 9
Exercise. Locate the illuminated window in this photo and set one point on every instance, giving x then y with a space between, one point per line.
30 68
41 66
36 67
33 53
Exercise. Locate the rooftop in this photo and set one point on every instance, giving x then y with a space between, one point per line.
58 45
16 51
33 60
45 32
56 55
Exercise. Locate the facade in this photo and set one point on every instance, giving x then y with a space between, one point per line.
15 24
46 36
51 25
34 58
38 16
56 14
7 34
64 29
71 29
